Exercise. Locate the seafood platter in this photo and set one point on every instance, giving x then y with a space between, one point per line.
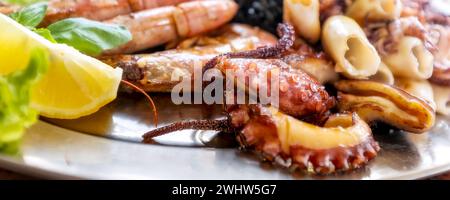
225 89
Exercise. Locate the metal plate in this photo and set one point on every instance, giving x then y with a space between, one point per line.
106 146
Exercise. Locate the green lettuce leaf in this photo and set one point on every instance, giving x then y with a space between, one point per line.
16 114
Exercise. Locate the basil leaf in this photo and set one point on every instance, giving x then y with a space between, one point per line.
88 36
45 33
23 2
31 16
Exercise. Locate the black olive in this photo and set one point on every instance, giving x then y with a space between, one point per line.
265 14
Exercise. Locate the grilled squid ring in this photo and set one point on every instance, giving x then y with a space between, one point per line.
442 99
345 41
304 15
384 75
441 72
418 88
380 102
411 60
378 10
344 143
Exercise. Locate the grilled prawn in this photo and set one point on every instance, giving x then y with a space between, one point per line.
153 72
99 9
162 25
151 22
7 9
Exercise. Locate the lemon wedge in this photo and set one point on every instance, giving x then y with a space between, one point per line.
75 85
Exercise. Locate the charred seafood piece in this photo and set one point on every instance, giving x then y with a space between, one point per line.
381 102
299 94
345 141
153 72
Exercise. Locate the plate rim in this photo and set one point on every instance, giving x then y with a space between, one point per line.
15 164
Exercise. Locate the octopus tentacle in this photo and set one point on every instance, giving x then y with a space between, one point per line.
216 125
345 142
286 41
299 94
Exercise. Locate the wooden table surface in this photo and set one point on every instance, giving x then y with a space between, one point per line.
8 175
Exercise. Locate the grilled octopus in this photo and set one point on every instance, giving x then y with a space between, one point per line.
342 142
345 141
299 94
